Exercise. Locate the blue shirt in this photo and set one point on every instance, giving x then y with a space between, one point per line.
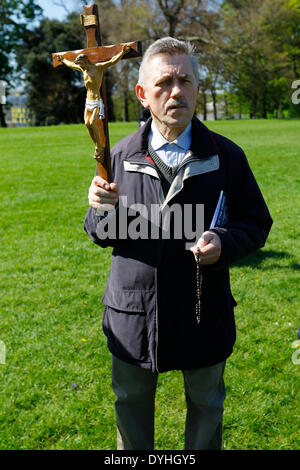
172 153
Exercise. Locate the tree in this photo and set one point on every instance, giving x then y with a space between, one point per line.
261 47
53 95
286 30
150 20
128 21
250 49
171 10
200 24
15 16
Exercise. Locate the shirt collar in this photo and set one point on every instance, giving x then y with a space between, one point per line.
183 140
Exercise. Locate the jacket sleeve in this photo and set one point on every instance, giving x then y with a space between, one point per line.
101 228
249 221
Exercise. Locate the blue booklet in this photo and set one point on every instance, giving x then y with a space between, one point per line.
220 216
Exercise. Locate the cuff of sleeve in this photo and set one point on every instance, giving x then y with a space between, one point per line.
101 214
223 261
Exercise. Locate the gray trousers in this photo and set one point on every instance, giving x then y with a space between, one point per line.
135 391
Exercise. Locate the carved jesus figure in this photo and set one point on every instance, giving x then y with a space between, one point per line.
94 107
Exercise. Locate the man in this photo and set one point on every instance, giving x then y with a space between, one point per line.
94 107
151 318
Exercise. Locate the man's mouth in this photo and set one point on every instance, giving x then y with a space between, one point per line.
174 107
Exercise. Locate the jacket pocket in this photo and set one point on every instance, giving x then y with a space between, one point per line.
125 324
124 300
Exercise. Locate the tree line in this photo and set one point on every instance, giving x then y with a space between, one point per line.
248 50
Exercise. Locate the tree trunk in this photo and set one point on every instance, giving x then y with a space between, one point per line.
226 106
172 26
125 106
125 72
171 13
264 107
295 68
2 117
204 106
253 112
214 98
240 109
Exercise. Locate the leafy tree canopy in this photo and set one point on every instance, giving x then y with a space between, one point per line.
15 16
54 95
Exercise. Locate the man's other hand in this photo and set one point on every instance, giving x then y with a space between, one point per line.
103 196
209 248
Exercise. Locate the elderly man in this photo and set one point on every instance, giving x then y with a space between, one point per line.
164 310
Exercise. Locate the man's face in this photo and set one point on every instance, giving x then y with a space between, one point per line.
170 91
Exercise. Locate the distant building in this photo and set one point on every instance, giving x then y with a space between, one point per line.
17 112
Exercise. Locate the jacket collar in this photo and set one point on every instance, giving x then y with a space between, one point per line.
203 143
202 146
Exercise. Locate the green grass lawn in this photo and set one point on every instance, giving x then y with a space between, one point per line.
55 390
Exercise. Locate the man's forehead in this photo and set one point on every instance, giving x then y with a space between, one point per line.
163 64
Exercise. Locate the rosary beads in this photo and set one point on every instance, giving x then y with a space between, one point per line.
199 279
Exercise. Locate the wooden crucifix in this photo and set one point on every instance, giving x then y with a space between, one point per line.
92 62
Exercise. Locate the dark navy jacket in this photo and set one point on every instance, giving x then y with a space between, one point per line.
149 316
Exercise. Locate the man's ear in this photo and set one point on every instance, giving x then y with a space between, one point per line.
141 94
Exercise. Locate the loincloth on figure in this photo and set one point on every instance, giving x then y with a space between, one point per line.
92 104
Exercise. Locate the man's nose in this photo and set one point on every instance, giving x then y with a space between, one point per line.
176 90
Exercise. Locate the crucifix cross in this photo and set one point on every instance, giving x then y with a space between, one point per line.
92 62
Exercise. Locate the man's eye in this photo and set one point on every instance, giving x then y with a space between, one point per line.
164 82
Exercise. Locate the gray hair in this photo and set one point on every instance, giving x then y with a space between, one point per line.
169 46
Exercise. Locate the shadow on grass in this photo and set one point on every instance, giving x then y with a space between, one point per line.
256 259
